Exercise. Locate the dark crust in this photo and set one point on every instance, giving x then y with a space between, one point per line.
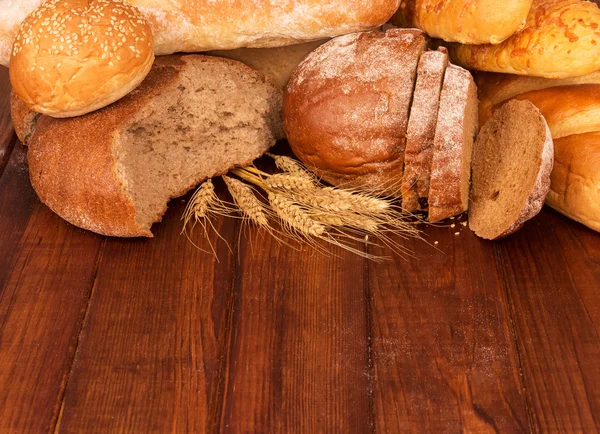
72 167
24 119
362 151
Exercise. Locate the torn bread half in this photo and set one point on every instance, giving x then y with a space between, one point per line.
421 130
114 170
513 158
457 126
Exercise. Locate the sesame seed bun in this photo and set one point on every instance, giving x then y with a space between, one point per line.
72 57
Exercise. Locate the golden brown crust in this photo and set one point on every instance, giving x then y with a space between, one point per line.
346 107
200 25
73 57
496 88
575 189
23 118
561 39
464 21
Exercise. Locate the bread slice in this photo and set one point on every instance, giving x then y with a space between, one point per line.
421 130
512 161
456 128
114 170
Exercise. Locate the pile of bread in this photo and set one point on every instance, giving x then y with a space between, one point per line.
114 133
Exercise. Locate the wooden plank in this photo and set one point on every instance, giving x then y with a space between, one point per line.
46 274
552 274
151 344
298 359
443 354
7 134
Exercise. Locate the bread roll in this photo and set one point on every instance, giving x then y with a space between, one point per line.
201 25
560 40
346 107
575 189
114 170
512 161
73 57
496 88
464 21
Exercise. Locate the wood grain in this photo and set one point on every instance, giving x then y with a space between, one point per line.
443 354
46 274
298 359
151 344
552 275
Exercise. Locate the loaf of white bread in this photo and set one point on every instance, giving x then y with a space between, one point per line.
198 25
572 110
114 170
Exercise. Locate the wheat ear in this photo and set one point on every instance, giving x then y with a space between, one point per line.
294 217
250 206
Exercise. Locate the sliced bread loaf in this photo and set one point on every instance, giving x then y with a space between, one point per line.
512 161
421 130
456 128
114 170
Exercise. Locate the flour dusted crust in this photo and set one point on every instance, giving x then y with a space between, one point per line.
465 21
201 25
560 40
455 131
346 107
421 130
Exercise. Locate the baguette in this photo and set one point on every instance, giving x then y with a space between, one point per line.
560 40
114 170
198 25
464 21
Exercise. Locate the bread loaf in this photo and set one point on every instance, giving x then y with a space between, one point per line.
512 161
421 130
575 188
464 21
346 107
200 25
456 128
73 57
496 88
276 63
572 111
114 170
560 40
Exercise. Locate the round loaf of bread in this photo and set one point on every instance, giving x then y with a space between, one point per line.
346 108
72 57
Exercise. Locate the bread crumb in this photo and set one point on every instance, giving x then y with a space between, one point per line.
456 233
453 225
464 223
451 218
436 242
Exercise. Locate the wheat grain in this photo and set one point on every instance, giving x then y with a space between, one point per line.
294 216
248 203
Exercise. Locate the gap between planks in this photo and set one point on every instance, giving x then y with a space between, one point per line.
5 157
369 334
84 315
533 428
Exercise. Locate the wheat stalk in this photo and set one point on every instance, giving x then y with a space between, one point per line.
295 218
250 206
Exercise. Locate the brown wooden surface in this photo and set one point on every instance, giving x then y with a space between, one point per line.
103 335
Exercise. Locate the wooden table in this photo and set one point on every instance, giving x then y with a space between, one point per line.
102 335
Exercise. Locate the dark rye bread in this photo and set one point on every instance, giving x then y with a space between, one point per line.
114 170
346 107
512 162
421 130
456 128
23 118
